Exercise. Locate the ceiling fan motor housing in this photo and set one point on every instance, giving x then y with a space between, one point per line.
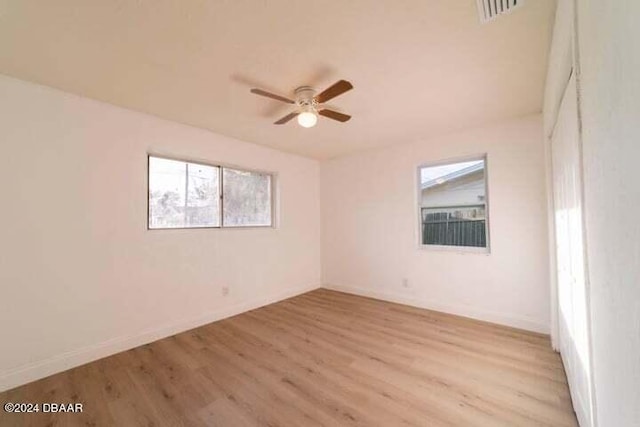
305 96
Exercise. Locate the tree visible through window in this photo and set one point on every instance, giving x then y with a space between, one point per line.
189 195
453 205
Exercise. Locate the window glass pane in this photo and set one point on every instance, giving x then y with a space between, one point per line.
183 194
247 198
166 193
203 197
453 204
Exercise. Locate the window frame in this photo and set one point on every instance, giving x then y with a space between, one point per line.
273 188
450 248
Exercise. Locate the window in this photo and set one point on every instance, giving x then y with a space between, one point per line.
193 195
453 204
239 209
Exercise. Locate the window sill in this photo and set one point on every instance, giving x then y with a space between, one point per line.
237 227
456 249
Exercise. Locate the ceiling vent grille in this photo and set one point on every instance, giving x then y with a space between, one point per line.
491 9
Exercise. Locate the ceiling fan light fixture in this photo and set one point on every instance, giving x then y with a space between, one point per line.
308 119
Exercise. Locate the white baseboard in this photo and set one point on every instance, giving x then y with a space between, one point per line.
61 362
511 320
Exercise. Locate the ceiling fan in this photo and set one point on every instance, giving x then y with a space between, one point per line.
310 104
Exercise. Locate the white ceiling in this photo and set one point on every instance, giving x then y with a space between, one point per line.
419 67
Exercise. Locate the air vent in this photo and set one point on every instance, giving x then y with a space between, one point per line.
491 9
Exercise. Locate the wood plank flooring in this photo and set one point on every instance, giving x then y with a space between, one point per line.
320 359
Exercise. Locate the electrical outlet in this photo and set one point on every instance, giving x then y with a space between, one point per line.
225 291
405 282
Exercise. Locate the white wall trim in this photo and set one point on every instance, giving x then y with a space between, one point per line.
506 319
43 368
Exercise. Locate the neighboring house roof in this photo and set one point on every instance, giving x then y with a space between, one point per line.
453 176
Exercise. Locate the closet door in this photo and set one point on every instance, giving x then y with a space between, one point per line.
573 313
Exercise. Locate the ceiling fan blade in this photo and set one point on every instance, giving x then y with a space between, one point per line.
335 115
272 96
286 118
331 92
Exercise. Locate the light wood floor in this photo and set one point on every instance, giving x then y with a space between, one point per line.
323 358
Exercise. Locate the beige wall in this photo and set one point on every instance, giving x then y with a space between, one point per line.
609 61
370 228
80 275
606 65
